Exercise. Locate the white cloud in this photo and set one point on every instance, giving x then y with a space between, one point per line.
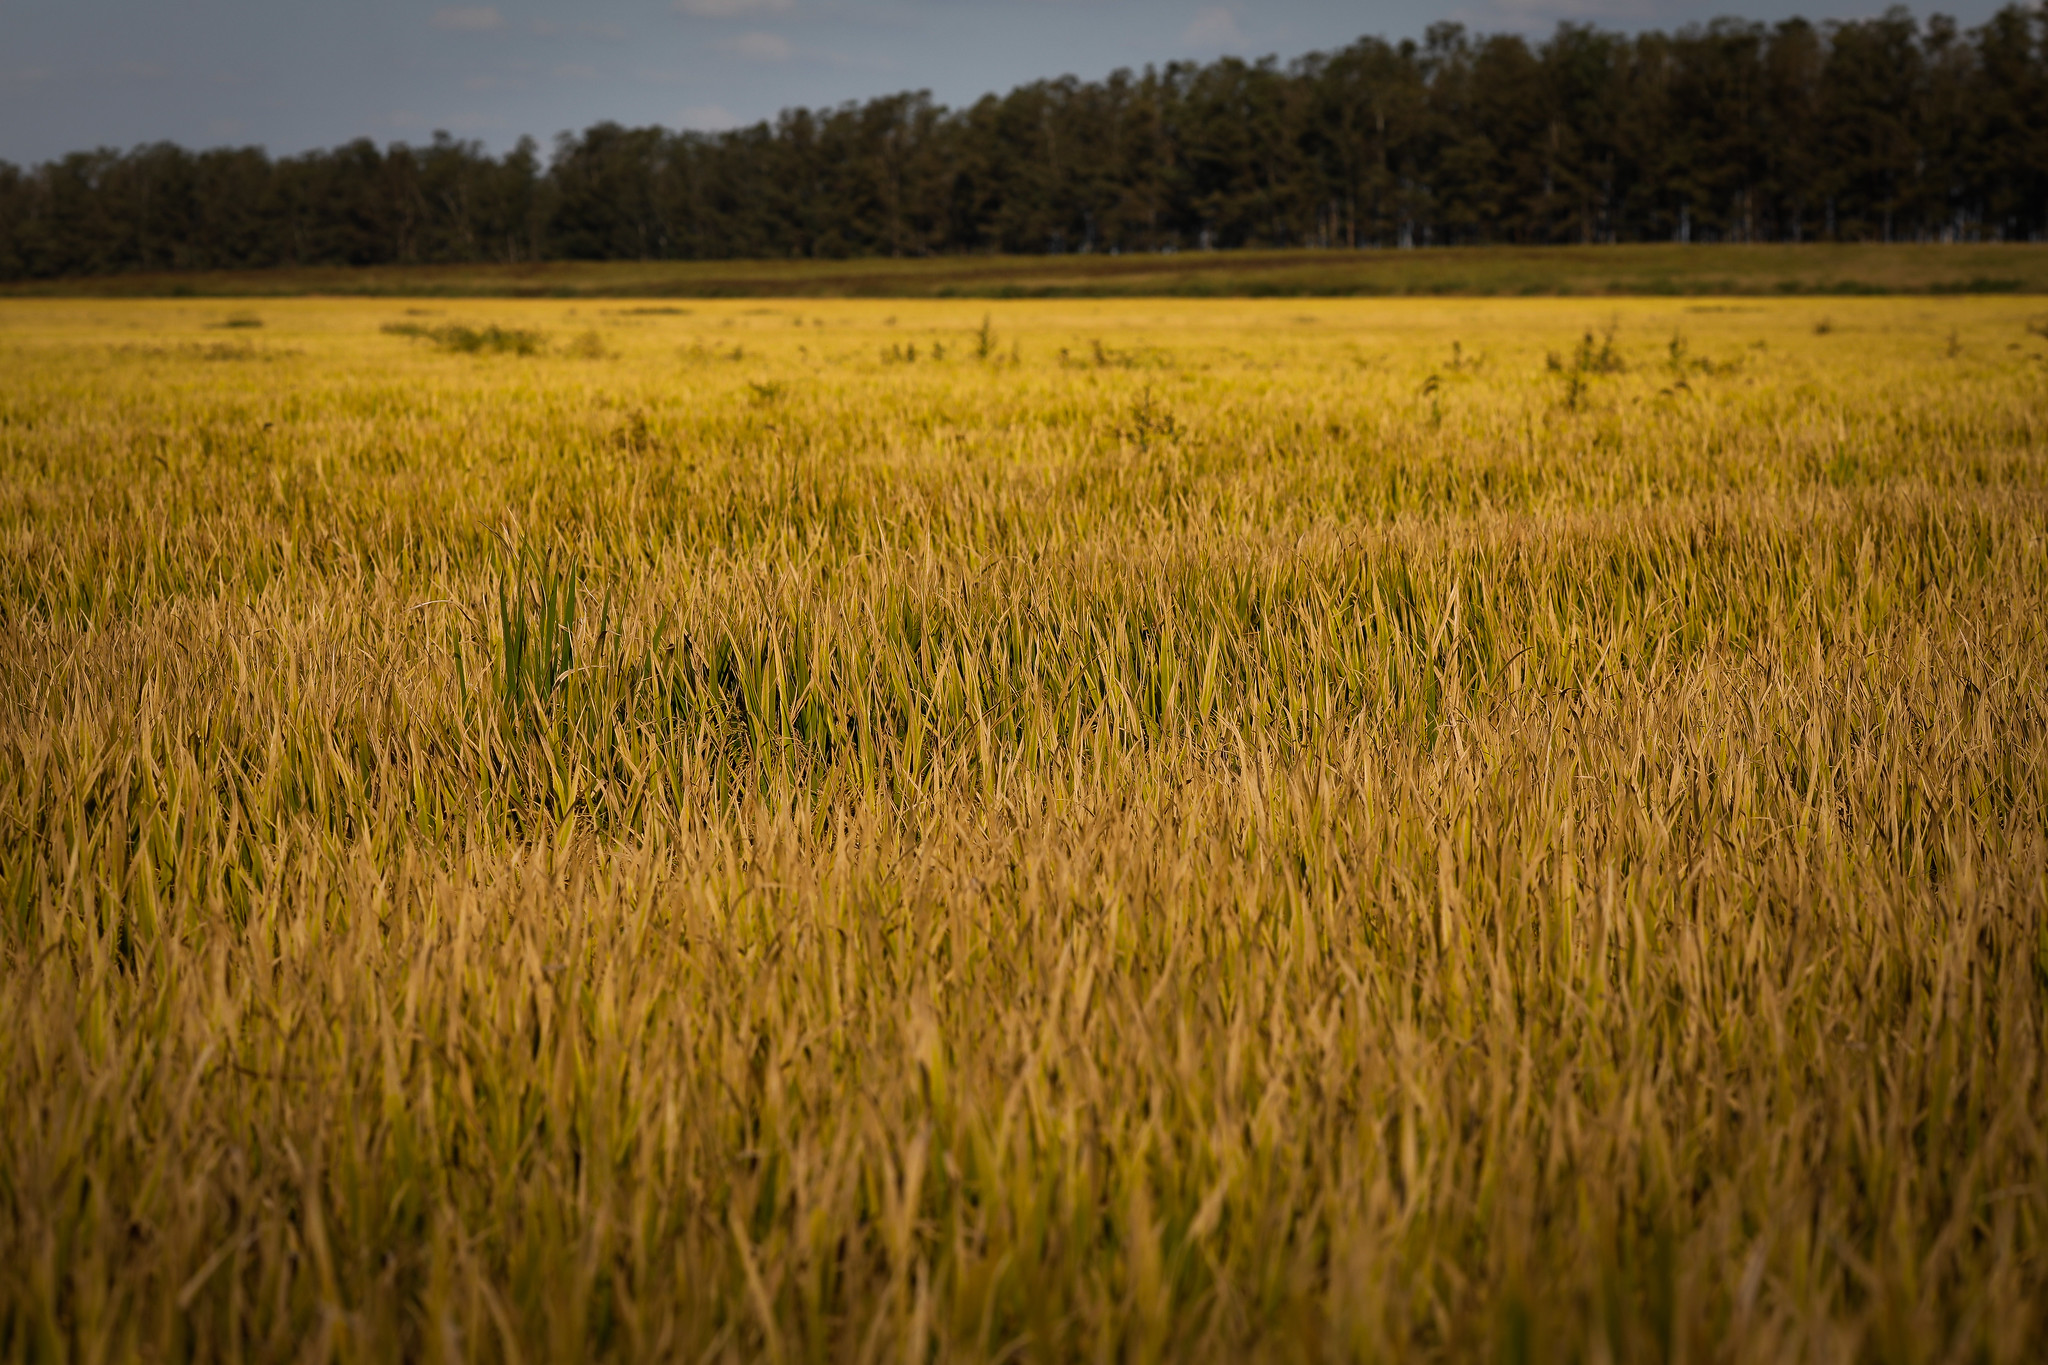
760 47
1213 29
732 9
468 18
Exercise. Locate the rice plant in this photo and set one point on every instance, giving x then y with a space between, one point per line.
1183 845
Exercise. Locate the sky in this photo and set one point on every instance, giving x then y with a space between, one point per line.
290 75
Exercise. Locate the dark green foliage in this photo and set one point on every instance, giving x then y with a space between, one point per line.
491 339
536 633
1885 129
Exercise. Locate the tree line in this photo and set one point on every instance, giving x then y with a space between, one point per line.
1882 129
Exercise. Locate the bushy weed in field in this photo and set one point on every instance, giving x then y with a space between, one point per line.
588 344
492 339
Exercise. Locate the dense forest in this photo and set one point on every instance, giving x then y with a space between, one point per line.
1885 129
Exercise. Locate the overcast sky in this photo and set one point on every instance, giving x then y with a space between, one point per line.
293 74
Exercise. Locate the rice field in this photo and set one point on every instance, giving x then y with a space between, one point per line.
1118 830
1624 268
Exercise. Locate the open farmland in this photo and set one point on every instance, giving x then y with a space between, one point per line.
1812 268
821 830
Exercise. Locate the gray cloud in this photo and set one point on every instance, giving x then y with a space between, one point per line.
468 19
733 9
760 46
1213 29
1540 16
710 118
77 74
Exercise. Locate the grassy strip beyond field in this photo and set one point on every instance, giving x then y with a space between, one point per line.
1459 271
1026 832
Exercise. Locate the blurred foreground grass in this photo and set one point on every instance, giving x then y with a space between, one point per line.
1127 831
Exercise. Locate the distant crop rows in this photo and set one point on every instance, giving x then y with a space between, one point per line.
1846 270
1142 830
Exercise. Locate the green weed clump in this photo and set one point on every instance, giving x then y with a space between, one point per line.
1294 848
487 340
